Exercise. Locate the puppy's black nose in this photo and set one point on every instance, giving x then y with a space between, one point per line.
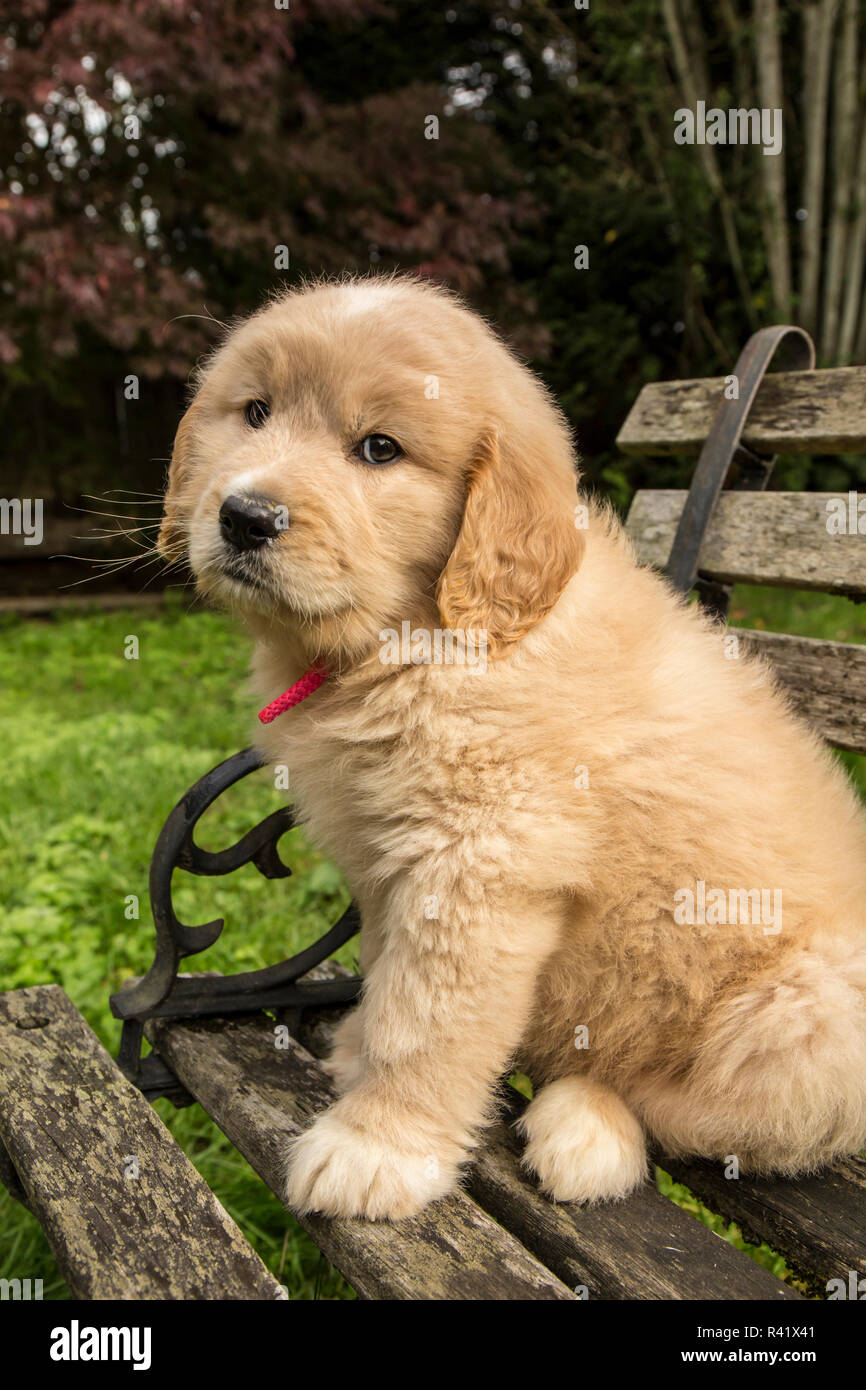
247 522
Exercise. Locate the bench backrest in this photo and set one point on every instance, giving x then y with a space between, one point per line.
800 540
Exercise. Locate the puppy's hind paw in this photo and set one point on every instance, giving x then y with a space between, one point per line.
583 1142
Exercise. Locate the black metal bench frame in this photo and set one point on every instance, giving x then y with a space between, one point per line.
165 993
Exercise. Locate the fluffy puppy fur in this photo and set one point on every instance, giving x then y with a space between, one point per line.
518 838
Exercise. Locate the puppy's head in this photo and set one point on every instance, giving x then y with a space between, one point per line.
365 453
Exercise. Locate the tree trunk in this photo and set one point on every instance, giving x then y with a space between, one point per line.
768 57
844 158
682 65
818 21
856 247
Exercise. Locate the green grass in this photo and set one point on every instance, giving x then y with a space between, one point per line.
799 612
97 749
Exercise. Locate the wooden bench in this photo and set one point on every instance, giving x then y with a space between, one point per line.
68 1116
126 1213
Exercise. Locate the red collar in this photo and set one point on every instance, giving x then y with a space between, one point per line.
310 681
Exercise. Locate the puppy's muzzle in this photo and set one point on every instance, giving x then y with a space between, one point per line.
247 523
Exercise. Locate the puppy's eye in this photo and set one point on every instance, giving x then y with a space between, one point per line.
378 448
256 413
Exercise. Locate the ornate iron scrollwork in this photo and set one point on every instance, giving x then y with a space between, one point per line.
163 992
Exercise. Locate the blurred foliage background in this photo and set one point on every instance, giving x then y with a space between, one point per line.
153 155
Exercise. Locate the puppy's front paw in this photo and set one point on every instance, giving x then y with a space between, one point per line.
583 1142
342 1171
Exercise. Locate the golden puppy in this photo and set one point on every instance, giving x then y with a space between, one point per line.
604 852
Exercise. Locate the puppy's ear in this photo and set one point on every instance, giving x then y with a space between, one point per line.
171 541
518 545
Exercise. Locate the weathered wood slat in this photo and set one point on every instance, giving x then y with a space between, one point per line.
10 1179
793 413
818 1223
72 1125
261 1097
645 1248
826 682
776 538
779 538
